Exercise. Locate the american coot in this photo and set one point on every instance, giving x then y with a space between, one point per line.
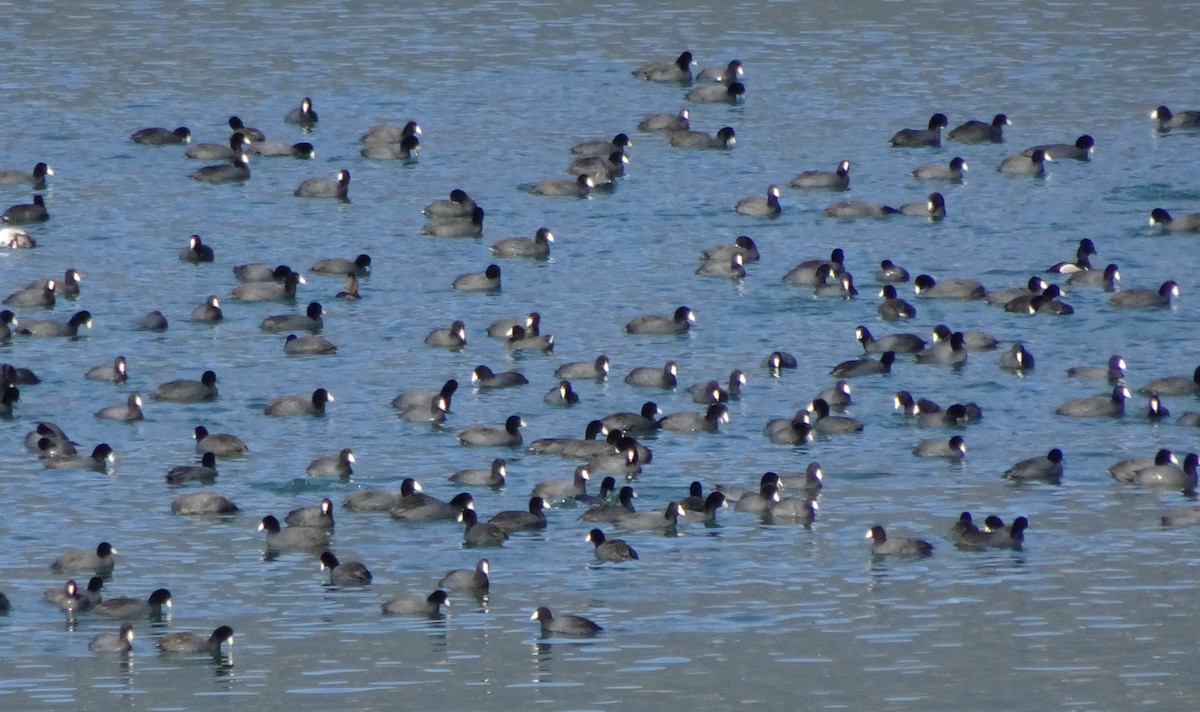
742 245
1144 298
947 352
582 448
278 149
187 391
609 511
716 93
571 626
410 399
644 421
654 377
132 410
729 73
665 122
900 343
777 361
200 503
406 149
26 213
410 604
603 170
601 147
1021 165
1189 222
679 70
477 533
726 137
1106 279
317 517
304 115
219 151
119 642
612 550
324 187
916 138
934 207
99 560
484 377
220 444
299 405
420 507
519 339
561 395
661 325
661 520
1113 372
453 337
837 395
236 171
976 131
1017 358
1081 150
345 573
40 296
760 502
883 545
360 265
952 171
973 340
209 312
759 206
485 281
473 580
483 436
492 476
116 372
690 422
236 124
1048 468
206 471
35 178
864 366
128 608
459 205
1001 297
310 321
953 288
102 456
955 448
52 328
386 133
580 187
293 538
378 500
70 600
432 412
838 179
858 209
825 424
308 345
1169 476
269 291
537 247
151 321
1155 410
1096 406
551 490
340 465
158 136
193 644
1168 120
1173 385
893 308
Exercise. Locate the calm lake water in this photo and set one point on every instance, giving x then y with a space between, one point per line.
1098 612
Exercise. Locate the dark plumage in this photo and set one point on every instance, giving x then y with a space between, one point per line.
883 545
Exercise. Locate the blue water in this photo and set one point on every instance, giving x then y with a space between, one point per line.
1096 612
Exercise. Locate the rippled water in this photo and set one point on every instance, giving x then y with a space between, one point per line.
1098 610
